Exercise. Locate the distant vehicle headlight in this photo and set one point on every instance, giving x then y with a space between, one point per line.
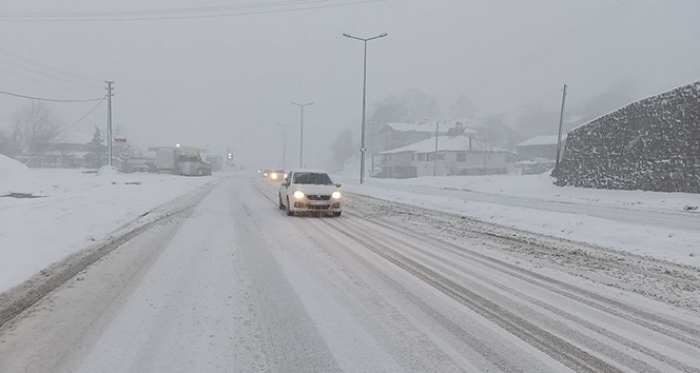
336 195
299 194
285 175
273 176
265 174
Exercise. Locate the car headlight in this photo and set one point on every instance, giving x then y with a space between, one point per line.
336 195
299 194
273 176
265 174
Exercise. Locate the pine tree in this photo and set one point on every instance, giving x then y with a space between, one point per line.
98 150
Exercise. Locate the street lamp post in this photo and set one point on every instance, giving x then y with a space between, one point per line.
364 103
284 144
301 145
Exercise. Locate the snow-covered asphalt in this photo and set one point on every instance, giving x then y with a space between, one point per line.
234 285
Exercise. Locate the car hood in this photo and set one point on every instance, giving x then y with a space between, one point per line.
315 189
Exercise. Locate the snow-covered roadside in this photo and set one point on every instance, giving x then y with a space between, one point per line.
75 211
540 188
675 245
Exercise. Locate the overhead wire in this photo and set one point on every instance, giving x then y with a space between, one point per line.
47 75
45 82
530 103
81 118
49 99
597 17
291 7
46 67
168 10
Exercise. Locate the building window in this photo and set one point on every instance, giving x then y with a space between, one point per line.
441 157
461 157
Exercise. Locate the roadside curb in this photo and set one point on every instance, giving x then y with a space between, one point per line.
20 297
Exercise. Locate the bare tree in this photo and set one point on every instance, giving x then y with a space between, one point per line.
33 126
413 106
492 136
462 107
6 146
343 148
420 106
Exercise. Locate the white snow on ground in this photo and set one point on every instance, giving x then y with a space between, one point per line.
643 223
541 187
75 210
18 178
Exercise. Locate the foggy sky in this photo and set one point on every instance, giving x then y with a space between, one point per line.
227 81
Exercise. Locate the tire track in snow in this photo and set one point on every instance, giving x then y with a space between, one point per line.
551 323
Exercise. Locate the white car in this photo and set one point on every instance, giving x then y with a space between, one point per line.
310 191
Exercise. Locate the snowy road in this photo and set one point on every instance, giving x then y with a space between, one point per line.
236 285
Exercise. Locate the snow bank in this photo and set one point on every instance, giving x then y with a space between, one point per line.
541 188
18 178
107 171
643 223
78 210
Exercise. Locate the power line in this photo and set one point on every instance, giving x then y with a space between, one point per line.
585 25
521 106
81 118
155 12
15 18
44 82
167 10
49 99
47 75
27 60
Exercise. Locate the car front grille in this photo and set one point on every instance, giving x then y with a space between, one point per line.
318 197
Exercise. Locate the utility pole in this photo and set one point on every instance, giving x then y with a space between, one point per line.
284 144
372 144
109 121
363 148
437 134
301 146
561 129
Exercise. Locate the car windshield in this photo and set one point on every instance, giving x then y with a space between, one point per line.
188 158
312 178
279 172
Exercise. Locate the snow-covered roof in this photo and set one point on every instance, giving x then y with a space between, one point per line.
445 144
542 140
73 138
66 154
429 126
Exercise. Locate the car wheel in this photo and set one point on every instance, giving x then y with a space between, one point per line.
281 204
337 214
289 208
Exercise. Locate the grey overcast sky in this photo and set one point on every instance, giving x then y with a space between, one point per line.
227 81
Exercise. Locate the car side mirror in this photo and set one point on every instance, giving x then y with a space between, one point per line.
338 185
285 184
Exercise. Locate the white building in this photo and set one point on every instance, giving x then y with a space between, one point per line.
456 155
397 134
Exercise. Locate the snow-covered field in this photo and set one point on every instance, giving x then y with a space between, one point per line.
73 211
643 223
